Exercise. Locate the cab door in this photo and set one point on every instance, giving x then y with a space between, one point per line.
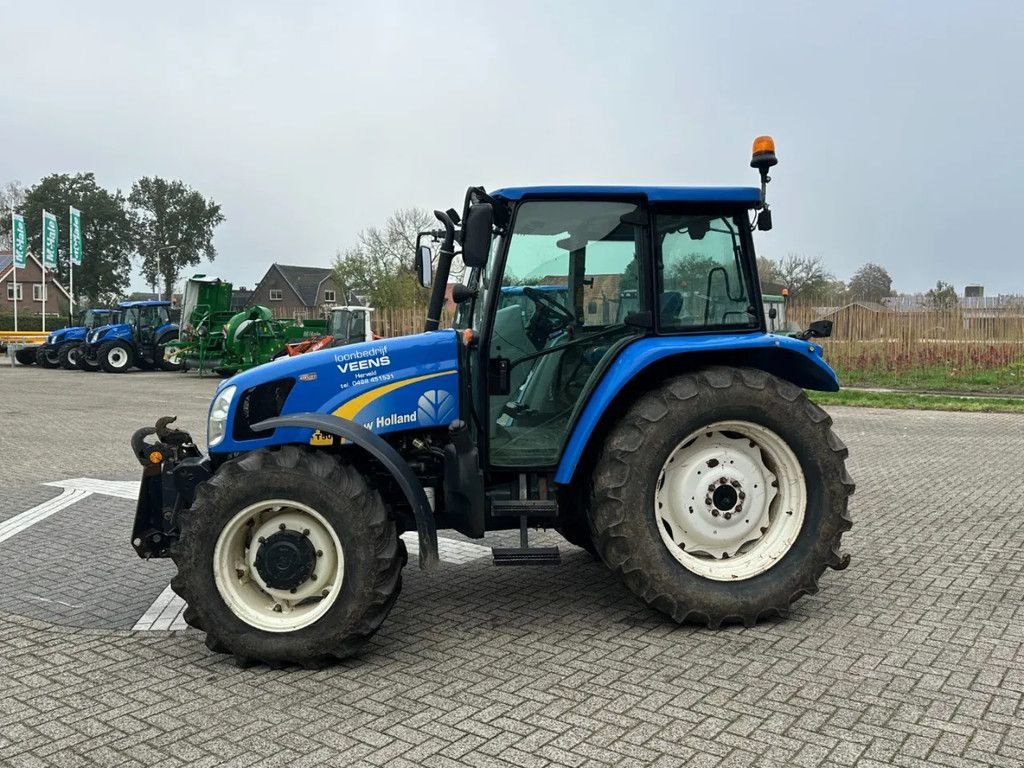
571 276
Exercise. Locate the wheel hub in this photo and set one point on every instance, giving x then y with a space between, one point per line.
285 559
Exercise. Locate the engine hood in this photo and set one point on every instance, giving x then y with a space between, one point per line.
403 383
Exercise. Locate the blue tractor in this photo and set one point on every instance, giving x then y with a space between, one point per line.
60 349
137 340
669 434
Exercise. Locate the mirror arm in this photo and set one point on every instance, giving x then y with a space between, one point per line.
444 262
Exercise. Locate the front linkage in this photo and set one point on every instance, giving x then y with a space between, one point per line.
172 468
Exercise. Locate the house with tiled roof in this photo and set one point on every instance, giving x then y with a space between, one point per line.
30 289
301 292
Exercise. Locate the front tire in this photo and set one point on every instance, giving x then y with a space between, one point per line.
87 364
263 601
659 515
69 356
47 357
26 355
115 356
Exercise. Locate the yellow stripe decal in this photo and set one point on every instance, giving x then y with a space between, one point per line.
351 409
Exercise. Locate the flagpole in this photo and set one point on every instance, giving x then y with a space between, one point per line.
43 262
14 264
71 266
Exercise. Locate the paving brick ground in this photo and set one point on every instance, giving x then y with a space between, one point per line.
914 656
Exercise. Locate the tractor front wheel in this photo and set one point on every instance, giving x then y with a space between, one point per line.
85 363
47 357
721 497
115 356
288 556
68 356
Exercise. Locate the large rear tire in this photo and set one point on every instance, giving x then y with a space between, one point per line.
115 356
288 556
721 497
69 356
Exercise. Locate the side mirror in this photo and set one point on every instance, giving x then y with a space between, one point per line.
424 265
476 234
772 313
819 329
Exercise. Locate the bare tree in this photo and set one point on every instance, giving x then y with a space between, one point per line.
804 276
12 195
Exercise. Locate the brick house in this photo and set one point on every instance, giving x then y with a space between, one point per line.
30 290
300 292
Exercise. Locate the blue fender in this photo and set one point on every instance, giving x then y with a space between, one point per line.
797 361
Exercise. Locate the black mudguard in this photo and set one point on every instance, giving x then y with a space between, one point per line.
385 453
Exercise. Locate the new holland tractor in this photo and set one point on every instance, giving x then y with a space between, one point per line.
673 440
60 350
137 340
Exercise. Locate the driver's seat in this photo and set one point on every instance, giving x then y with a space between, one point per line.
668 307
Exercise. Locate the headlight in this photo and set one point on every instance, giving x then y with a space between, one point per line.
51 339
218 421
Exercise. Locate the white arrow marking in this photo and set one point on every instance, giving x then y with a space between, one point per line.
122 489
40 512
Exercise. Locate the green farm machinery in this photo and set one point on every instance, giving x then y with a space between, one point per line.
217 339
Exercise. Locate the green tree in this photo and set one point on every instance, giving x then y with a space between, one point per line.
173 226
870 283
380 264
690 273
942 296
107 244
767 270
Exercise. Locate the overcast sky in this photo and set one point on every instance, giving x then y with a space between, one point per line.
899 126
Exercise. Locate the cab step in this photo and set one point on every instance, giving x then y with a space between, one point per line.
525 510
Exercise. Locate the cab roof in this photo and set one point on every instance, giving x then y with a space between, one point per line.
747 196
146 303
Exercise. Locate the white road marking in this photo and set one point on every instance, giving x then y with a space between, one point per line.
122 489
42 511
164 614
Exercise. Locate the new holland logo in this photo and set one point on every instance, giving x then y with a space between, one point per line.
436 406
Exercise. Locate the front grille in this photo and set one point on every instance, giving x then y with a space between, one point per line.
257 404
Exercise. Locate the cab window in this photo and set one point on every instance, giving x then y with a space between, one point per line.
702 280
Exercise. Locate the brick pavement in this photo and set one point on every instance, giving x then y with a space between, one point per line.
914 656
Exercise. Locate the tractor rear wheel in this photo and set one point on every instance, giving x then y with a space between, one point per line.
68 356
721 497
115 356
288 556
47 357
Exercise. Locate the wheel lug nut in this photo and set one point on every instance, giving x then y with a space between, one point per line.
312 577
319 553
735 483
277 609
262 540
325 593
711 488
739 507
708 501
282 526
741 495
723 480
727 515
293 590
714 513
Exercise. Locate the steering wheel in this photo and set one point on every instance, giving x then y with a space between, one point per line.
549 317
541 299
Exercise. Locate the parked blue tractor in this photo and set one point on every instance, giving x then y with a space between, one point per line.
644 412
61 346
137 340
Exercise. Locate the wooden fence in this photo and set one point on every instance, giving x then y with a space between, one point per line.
961 338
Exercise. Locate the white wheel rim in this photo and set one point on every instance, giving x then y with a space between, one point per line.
245 592
117 357
745 528
73 356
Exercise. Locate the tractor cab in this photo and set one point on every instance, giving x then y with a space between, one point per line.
609 375
137 339
349 324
